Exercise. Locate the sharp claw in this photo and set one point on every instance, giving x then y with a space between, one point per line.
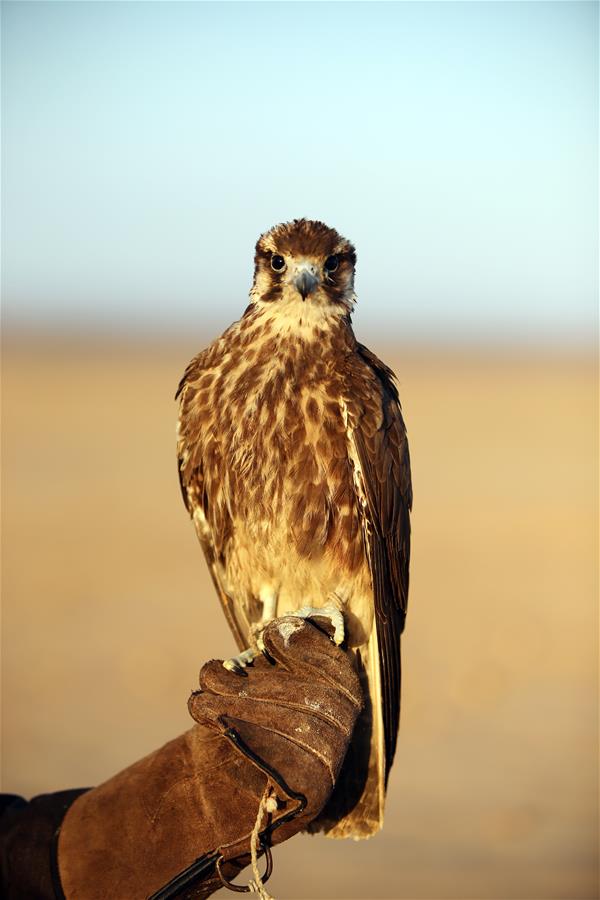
268 656
238 663
232 666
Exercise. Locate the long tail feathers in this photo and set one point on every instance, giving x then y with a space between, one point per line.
356 806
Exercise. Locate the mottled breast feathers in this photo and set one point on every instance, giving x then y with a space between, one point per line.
256 414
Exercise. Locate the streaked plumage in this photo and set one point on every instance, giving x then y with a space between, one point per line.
294 465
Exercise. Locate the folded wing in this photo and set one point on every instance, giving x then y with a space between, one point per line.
381 445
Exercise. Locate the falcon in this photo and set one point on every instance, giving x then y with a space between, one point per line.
294 466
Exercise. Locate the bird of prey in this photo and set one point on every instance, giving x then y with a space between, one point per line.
294 467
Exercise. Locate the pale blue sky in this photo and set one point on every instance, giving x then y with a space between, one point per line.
145 146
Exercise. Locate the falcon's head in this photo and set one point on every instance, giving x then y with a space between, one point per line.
303 268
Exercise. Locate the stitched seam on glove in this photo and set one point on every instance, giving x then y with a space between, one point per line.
300 707
304 666
323 676
308 748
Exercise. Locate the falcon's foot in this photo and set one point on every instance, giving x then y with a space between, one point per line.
331 612
238 663
257 633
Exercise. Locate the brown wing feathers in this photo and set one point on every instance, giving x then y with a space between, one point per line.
384 458
193 489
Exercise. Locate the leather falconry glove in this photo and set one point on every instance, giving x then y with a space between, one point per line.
257 768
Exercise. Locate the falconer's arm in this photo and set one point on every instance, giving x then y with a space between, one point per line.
257 768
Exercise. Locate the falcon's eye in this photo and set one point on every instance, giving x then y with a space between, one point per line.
331 263
278 263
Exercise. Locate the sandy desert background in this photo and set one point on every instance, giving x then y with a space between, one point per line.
144 148
108 611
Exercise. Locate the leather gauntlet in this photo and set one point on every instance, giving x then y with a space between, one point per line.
268 746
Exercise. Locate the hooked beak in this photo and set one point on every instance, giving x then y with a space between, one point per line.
305 282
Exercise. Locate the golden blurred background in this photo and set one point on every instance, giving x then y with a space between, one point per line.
108 611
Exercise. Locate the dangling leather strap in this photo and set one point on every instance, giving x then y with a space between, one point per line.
200 868
206 864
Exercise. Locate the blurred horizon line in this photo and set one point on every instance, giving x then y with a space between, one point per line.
144 338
